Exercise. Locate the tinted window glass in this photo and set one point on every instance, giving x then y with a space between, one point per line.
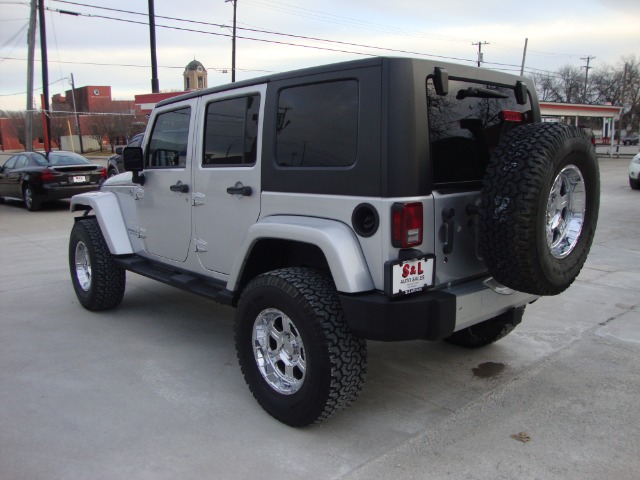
465 127
318 125
136 141
231 131
22 162
11 163
169 140
67 158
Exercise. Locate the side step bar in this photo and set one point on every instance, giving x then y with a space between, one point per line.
205 287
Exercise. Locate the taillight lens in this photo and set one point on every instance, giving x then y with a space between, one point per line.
103 174
407 224
511 116
47 175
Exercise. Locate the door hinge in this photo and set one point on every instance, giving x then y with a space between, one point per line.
198 199
200 245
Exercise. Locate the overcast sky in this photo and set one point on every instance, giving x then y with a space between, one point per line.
115 51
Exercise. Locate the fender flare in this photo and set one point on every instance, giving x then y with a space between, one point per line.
107 210
336 240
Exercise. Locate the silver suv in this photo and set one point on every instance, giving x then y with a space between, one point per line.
387 199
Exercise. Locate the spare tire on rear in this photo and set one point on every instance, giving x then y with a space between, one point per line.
539 207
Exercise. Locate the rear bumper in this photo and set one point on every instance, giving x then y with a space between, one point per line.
429 316
57 192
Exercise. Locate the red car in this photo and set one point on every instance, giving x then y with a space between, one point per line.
30 177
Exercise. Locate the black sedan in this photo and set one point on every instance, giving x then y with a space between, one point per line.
30 177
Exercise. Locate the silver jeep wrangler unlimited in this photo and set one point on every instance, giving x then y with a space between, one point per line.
386 199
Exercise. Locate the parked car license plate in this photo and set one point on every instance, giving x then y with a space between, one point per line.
409 276
79 179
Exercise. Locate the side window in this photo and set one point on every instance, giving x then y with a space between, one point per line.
11 163
231 132
136 141
22 161
317 125
169 140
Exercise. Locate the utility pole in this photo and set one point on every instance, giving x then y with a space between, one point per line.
586 74
45 80
75 111
31 47
479 44
233 41
155 84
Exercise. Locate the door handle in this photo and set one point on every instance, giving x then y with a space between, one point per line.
179 187
447 218
240 189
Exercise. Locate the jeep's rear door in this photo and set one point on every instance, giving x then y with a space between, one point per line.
227 185
465 126
164 207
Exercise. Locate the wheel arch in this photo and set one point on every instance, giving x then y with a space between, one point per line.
289 241
106 209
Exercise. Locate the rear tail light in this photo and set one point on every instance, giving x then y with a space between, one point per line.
103 174
407 224
47 175
511 116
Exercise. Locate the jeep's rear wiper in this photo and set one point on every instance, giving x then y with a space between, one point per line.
479 93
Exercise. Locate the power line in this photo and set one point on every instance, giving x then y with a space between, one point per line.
300 37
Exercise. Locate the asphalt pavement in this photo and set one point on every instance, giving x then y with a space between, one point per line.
152 389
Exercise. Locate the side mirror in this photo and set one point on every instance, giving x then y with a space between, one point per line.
133 158
118 150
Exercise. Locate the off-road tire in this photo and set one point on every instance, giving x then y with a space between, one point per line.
520 188
487 332
98 281
29 198
335 360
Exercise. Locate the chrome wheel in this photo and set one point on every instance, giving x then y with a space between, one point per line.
279 351
83 266
565 211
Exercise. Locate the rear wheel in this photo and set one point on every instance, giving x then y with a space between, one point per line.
634 184
488 331
98 281
297 355
31 201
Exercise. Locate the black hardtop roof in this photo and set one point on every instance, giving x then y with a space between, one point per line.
465 71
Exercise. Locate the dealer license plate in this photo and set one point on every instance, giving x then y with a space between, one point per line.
411 276
79 179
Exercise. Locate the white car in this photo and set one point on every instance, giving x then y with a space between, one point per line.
634 171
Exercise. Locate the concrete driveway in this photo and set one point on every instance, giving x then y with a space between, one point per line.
152 389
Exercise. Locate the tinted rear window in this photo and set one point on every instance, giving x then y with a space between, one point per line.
465 127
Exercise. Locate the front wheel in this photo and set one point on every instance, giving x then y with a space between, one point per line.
98 281
297 355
